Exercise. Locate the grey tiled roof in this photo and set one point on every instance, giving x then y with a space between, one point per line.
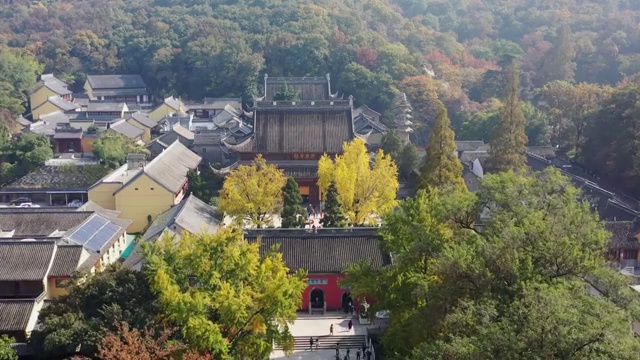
67 133
126 129
301 129
25 260
51 79
63 104
331 253
144 119
175 103
471 145
101 106
15 314
40 223
182 131
57 178
220 103
170 168
66 261
115 81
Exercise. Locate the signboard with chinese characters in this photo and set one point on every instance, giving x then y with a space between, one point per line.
304 156
317 281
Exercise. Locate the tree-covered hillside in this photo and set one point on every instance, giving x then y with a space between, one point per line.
453 51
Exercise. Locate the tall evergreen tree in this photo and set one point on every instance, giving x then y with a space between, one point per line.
293 214
508 144
559 62
333 212
441 167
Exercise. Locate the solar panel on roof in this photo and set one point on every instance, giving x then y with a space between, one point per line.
95 233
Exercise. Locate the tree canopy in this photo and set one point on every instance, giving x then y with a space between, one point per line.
224 295
441 166
253 192
512 288
112 148
364 189
6 352
293 215
94 305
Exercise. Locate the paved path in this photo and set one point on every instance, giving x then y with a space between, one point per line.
318 325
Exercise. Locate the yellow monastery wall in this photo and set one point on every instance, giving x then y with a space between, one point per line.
103 195
140 198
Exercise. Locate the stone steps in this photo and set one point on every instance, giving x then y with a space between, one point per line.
352 342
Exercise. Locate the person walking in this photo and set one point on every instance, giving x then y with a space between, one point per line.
358 354
368 354
317 343
337 350
364 349
331 330
348 353
311 343
350 324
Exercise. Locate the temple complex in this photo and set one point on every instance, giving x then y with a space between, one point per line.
294 123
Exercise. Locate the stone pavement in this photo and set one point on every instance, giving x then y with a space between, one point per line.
318 325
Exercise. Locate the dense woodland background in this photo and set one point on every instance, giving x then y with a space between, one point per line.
452 50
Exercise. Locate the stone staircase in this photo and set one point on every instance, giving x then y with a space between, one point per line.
325 342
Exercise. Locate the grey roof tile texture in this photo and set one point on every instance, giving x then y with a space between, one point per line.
325 254
39 223
170 168
127 129
14 314
66 261
115 81
144 119
302 130
25 260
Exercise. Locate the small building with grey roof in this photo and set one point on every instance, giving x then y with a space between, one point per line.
117 88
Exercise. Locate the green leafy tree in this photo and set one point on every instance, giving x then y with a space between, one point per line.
94 305
286 93
559 63
507 289
112 148
404 154
407 160
333 211
508 143
18 73
226 297
6 352
441 167
612 148
204 184
293 214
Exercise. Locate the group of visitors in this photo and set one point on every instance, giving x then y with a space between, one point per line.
365 354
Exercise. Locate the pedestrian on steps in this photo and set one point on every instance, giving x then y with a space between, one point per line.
331 330
311 343
358 354
368 354
317 343
338 350
348 353
350 324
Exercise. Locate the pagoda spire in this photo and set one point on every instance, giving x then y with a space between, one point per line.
403 119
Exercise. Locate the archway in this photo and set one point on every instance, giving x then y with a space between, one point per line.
317 298
346 300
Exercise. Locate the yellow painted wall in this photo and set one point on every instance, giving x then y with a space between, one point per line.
160 112
146 136
137 200
53 291
89 90
103 195
46 108
39 96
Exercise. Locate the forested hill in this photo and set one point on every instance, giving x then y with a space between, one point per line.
450 49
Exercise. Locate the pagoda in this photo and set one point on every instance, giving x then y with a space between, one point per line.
293 134
403 120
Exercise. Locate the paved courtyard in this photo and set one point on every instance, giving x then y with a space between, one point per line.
318 325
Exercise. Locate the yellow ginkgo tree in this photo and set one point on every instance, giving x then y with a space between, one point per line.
253 193
366 186
225 297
